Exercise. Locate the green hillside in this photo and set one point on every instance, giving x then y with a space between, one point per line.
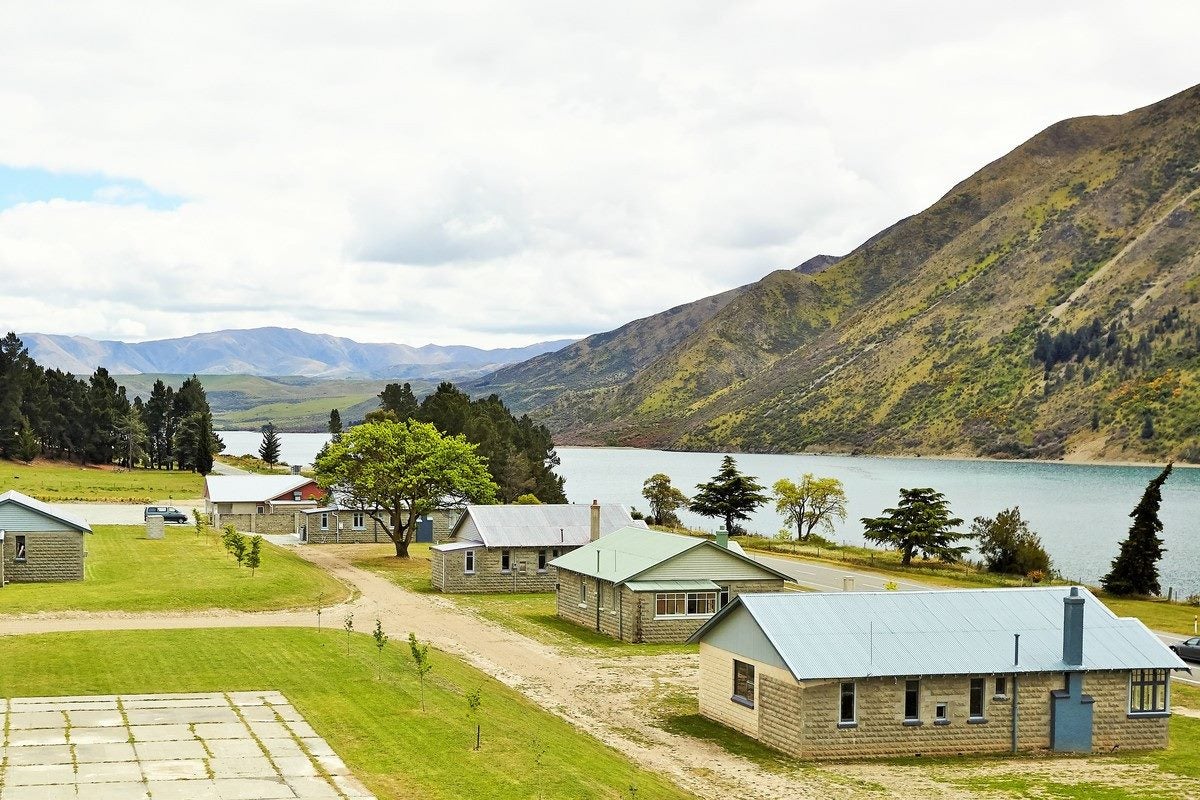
247 402
1046 306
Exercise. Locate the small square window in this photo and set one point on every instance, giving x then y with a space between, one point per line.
941 713
1001 686
261 510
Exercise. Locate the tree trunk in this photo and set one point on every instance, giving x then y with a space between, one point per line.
401 548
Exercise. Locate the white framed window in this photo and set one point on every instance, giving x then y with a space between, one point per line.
1148 691
324 521
1001 688
541 560
469 562
297 496
505 560
743 683
358 522
582 592
941 713
848 706
912 701
261 510
685 604
19 552
724 599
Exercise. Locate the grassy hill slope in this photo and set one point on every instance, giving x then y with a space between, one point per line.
1047 305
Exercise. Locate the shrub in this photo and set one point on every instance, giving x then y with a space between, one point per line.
1008 545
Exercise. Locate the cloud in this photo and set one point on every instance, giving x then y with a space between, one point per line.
492 174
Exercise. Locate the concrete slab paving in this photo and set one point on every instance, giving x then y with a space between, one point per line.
201 746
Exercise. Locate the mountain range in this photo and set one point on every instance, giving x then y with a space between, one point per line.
274 352
1045 307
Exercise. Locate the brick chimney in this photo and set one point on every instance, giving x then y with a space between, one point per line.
1073 628
595 520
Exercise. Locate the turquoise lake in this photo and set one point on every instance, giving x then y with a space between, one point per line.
1080 511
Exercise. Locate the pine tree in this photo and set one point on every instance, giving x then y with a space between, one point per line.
921 522
268 451
730 495
1135 569
335 425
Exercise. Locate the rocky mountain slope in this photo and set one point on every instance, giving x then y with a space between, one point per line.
1045 306
274 351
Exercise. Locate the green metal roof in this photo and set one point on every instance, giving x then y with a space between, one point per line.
628 552
673 586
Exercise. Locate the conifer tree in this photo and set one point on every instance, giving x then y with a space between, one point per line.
335 425
730 495
268 451
1135 569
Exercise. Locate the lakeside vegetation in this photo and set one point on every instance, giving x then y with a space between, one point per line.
185 571
367 705
69 482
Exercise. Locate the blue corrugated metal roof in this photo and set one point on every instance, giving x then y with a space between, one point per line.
543 525
947 632
13 496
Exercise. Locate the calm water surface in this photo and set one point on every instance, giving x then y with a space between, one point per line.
1080 511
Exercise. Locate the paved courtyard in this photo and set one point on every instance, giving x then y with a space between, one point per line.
235 746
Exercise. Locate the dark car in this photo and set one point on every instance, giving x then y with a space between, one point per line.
168 513
1188 649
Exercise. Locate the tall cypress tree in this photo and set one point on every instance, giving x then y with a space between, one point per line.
1135 569
335 425
268 451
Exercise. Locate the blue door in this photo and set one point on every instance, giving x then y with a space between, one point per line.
425 530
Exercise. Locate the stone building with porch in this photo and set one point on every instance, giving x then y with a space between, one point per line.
883 674
263 504
509 548
639 585
38 542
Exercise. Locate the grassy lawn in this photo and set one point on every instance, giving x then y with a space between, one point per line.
54 481
376 725
125 571
531 615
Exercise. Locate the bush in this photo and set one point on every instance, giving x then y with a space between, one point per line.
1008 545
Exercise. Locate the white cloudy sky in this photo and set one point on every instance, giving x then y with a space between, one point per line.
502 173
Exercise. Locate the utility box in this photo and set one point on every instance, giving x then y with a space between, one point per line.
155 527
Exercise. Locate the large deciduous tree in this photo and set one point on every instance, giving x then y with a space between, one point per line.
920 523
1009 545
1135 569
664 499
813 503
396 472
730 496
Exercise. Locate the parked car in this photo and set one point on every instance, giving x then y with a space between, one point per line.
168 513
1188 649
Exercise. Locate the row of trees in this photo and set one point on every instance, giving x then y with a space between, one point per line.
519 453
50 412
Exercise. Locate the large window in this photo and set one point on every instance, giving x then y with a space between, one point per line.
469 562
976 696
19 544
685 604
848 710
912 701
359 522
505 561
743 683
1148 691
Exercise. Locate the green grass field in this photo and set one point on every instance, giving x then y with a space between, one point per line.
375 724
56 482
124 571
531 615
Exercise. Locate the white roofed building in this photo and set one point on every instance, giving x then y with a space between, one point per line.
508 548
269 504
881 674
39 542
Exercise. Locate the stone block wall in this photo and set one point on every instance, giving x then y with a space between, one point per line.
274 524
1111 724
678 629
772 709
447 570
50 557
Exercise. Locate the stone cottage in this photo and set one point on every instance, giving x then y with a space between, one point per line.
270 504
39 542
875 674
509 548
639 585
341 524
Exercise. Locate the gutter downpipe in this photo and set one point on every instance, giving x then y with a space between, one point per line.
1016 661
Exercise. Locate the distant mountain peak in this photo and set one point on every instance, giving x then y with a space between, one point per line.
817 264
275 351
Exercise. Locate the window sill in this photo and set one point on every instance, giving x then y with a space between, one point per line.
912 723
741 701
847 725
999 698
1148 714
941 722
582 605
682 616
977 721
472 572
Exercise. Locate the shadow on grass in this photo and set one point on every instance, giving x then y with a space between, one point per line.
731 741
